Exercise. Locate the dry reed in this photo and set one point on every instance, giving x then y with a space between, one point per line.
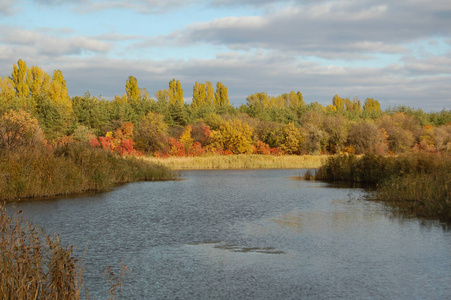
417 183
240 162
35 265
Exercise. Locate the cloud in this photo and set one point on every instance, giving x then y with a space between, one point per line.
23 41
332 29
140 6
6 7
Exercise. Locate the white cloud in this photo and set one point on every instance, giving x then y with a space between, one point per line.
332 29
21 41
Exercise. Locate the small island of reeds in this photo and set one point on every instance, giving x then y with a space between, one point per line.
417 184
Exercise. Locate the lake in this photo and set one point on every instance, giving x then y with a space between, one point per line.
249 234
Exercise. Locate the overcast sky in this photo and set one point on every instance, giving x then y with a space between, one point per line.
396 51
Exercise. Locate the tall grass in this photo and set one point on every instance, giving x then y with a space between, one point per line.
69 169
417 183
35 265
242 161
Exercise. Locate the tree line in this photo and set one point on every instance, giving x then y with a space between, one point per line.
35 108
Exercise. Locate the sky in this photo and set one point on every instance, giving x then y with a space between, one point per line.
395 51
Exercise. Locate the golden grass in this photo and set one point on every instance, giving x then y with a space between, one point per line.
242 161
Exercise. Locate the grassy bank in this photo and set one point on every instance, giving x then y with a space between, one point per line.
418 184
69 169
240 162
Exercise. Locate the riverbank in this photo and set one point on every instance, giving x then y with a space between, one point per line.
70 169
415 183
242 161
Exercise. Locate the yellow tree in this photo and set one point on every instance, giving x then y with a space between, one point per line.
296 100
210 94
354 105
162 96
291 139
338 102
59 95
186 138
7 90
221 95
258 99
175 93
19 129
371 106
19 78
234 136
38 81
131 88
199 95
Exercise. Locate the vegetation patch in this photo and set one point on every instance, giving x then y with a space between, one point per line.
416 183
70 169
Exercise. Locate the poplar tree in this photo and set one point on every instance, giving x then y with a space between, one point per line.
175 93
371 106
19 78
58 93
221 95
38 81
131 88
338 102
210 94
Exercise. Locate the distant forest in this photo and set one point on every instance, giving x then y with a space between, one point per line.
35 109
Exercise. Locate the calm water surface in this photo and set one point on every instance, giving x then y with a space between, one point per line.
253 234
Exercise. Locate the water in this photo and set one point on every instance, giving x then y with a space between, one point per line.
253 234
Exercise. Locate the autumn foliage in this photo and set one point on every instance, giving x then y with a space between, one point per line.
35 108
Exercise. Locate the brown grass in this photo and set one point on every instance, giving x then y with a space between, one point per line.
35 265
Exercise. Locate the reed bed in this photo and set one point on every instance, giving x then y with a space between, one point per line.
70 169
242 161
415 183
35 265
